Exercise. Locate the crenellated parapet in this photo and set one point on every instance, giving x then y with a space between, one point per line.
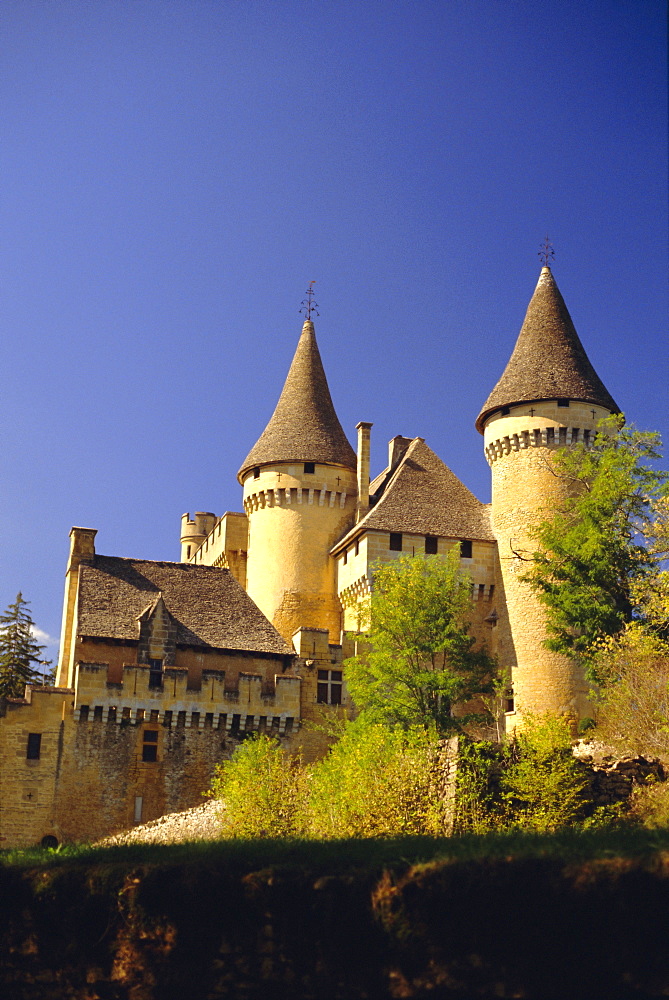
537 437
278 496
138 699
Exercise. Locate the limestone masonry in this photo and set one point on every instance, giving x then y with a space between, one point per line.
165 666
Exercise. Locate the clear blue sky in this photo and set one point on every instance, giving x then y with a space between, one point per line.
174 173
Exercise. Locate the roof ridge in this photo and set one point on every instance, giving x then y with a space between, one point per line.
304 426
548 360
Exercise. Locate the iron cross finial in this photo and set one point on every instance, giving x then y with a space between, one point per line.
546 254
308 306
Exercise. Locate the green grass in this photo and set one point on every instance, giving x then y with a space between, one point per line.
336 855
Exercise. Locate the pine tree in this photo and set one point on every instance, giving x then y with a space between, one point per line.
18 650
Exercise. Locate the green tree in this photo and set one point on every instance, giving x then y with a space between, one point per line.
19 650
592 552
419 662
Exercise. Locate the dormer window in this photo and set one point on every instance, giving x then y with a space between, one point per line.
309 468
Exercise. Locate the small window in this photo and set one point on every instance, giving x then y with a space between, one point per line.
34 746
431 545
345 559
505 411
97 713
150 748
188 552
83 713
156 674
256 472
138 808
465 549
309 468
563 402
329 687
357 546
395 541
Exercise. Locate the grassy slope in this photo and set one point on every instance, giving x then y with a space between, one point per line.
572 915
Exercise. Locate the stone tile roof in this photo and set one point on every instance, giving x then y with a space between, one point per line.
548 361
209 606
423 497
304 426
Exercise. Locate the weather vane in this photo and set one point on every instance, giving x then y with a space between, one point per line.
547 254
308 306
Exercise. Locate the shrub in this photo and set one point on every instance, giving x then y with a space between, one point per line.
542 785
379 782
262 790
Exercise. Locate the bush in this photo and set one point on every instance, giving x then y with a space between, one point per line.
479 807
262 790
542 785
379 782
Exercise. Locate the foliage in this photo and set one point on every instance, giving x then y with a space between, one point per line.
378 781
478 804
650 806
419 662
18 650
633 697
542 784
592 554
262 790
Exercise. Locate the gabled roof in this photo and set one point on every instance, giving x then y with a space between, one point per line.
304 426
423 497
548 361
209 607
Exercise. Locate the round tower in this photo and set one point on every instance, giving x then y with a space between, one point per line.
194 532
548 397
300 497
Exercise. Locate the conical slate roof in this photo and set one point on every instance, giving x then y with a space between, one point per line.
548 361
304 426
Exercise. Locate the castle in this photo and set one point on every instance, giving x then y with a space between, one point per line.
165 666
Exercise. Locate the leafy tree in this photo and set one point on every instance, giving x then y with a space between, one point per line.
18 650
418 662
592 554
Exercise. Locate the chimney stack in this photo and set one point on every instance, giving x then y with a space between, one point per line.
363 429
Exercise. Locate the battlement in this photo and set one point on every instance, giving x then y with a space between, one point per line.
168 700
286 496
538 437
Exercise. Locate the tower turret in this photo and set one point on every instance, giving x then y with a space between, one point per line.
300 496
549 396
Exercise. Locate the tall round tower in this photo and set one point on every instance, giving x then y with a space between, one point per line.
549 396
300 496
